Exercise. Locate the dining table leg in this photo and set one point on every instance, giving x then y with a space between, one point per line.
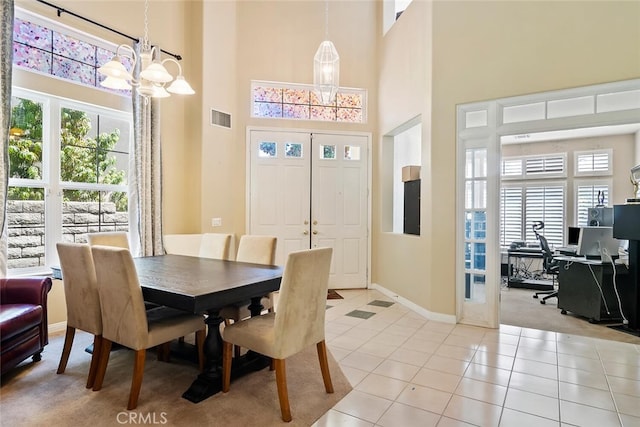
209 382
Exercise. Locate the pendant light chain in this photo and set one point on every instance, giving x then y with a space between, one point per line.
326 20
145 43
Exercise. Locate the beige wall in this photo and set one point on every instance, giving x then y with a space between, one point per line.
486 50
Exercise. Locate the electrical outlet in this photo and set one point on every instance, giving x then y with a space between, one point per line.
216 222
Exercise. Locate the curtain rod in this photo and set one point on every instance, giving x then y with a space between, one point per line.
61 10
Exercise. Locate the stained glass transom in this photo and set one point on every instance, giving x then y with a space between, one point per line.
299 102
48 51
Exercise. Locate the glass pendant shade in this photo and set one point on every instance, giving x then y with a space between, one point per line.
115 83
156 73
326 72
115 69
180 86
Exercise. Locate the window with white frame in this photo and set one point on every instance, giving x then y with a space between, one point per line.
589 194
523 204
534 167
68 173
531 192
591 163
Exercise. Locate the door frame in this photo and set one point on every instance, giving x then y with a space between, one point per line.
608 104
367 135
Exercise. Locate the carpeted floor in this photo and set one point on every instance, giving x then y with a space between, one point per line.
34 395
519 308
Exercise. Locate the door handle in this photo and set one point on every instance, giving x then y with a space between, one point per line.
315 231
305 232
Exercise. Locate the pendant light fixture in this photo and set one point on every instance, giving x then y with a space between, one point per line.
153 77
326 67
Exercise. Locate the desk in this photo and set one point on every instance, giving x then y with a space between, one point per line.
579 293
202 285
521 276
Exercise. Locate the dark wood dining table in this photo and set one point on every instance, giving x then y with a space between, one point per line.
203 285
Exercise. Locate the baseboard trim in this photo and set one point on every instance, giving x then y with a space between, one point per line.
57 327
438 317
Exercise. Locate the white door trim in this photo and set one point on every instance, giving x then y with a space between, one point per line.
608 104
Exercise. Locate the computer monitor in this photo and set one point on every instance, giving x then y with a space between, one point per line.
594 242
573 235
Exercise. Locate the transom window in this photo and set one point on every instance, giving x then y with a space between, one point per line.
299 102
51 49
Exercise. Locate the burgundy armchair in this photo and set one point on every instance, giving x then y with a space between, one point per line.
23 319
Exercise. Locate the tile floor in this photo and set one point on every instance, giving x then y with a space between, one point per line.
408 371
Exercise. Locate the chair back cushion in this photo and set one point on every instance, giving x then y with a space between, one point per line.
215 245
80 287
182 244
112 238
257 249
299 320
123 314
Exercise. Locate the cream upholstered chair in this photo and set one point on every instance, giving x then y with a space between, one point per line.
109 238
182 244
83 302
215 245
297 324
257 250
208 245
125 320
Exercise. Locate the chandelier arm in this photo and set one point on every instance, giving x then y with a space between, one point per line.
175 62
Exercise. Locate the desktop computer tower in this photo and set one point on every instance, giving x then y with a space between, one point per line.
600 217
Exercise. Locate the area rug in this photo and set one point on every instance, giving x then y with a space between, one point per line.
34 395
333 295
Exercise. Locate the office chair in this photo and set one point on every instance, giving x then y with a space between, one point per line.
549 264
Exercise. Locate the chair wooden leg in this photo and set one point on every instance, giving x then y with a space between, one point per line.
68 342
164 352
102 363
324 366
95 360
227 348
201 335
136 381
283 394
236 351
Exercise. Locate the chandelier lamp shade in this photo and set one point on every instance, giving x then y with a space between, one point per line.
153 77
326 72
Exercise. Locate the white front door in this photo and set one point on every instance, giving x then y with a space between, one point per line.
310 190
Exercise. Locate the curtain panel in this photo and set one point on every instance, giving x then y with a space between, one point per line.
6 63
145 184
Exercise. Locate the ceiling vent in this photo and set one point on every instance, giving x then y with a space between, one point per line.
218 118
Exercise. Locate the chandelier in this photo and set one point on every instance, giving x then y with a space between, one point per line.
326 67
153 76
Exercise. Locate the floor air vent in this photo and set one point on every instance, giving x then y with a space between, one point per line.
218 118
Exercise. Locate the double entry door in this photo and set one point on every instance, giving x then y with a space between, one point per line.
311 190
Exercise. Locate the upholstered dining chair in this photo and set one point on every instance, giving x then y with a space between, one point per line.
297 324
83 302
215 245
125 320
117 239
109 238
257 250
